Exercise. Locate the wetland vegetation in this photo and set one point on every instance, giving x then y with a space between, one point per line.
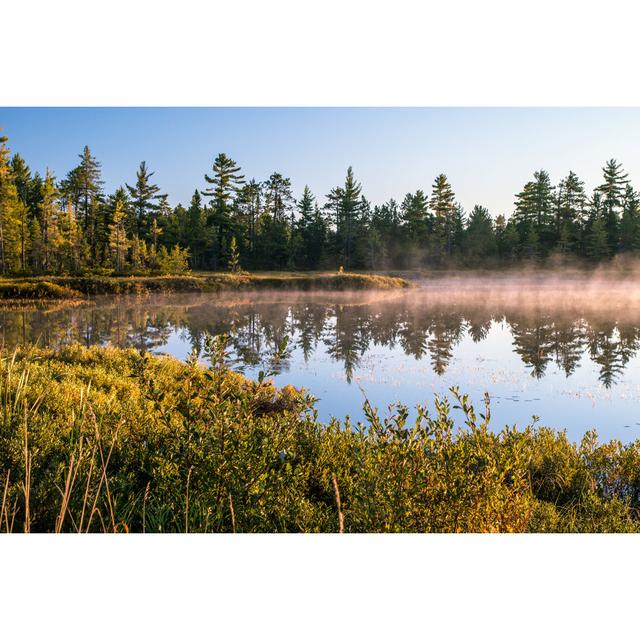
106 439
66 287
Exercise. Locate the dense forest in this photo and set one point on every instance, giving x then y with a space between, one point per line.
71 226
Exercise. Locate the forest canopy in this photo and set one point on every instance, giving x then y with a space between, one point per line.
70 225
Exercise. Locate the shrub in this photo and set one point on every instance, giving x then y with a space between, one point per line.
105 439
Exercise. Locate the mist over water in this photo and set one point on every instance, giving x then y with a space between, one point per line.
564 348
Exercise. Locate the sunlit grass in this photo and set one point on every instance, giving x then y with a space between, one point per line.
109 440
66 287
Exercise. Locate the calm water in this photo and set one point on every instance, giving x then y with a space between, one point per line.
567 352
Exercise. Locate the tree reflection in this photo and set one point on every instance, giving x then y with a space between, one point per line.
344 327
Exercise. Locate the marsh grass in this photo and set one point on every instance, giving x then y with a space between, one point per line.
19 289
70 287
111 440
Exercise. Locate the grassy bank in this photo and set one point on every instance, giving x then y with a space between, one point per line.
109 440
65 287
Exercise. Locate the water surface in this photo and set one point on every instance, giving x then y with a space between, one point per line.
566 351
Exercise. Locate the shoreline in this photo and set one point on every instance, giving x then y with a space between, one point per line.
79 287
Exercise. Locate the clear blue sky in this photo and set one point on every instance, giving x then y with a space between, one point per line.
487 153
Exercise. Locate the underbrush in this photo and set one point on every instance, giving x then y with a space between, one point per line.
104 440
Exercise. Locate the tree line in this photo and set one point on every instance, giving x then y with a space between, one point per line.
70 225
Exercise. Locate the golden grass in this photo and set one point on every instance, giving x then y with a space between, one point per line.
111 440
69 287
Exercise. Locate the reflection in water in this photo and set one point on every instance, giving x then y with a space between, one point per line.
427 324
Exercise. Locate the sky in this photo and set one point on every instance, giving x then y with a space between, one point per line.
487 153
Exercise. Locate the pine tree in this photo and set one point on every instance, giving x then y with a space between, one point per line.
226 182
612 190
279 202
510 244
333 207
479 237
89 182
318 242
83 186
23 181
36 246
630 222
542 201
535 208
143 195
346 204
52 240
358 259
164 210
385 239
305 222
443 207
11 214
173 223
594 210
21 177
415 217
272 249
279 199
72 237
195 233
251 203
118 243
311 230
524 215
570 211
458 227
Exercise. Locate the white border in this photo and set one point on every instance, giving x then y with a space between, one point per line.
335 52
296 586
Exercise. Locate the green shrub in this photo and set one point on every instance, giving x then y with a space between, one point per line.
104 439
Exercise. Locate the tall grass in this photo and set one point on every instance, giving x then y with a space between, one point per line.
109 440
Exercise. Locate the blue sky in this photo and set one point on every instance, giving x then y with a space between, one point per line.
487 153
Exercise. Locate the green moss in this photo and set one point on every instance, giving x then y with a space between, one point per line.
116 440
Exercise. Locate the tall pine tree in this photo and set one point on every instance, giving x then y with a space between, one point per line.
226 182
612 190
443 207
144 195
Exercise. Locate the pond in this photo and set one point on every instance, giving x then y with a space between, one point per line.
565 350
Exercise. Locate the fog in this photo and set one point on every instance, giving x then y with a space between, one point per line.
601 291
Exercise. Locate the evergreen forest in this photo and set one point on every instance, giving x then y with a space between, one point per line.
70 225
